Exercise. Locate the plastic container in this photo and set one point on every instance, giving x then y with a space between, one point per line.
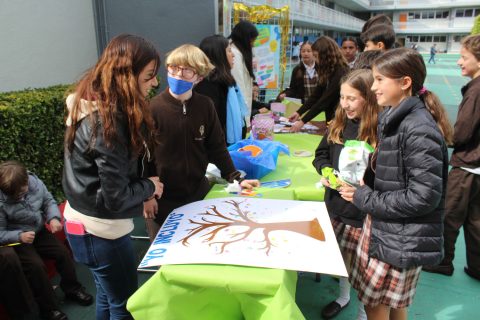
262 126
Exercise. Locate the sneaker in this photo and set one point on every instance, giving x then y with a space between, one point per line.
80 297
445 269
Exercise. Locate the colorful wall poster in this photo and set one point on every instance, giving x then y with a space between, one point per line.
283 234
266 52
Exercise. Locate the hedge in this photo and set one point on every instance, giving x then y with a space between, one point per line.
31 131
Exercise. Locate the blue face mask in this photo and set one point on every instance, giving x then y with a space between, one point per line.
178 86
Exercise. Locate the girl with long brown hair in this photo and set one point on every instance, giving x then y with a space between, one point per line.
403 228
332 67
355 119
108 129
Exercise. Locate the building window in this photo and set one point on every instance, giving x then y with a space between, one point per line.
439 38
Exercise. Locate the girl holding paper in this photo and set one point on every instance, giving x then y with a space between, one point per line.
403 228
355 119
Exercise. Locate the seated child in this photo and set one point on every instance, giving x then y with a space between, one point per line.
25 207
19 303
258 106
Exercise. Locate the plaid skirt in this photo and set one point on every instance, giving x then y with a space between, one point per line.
347 236
378 282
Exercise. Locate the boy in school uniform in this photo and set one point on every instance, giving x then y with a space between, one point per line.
188 137
378 37
462 206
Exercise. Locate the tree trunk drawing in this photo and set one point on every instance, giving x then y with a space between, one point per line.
214 221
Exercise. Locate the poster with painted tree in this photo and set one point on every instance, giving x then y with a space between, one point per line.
283 234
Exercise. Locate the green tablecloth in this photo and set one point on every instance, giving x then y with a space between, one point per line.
298 169
206 292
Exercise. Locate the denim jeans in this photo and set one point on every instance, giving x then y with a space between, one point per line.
114 269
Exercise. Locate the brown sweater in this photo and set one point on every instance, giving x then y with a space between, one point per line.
466 137
188 137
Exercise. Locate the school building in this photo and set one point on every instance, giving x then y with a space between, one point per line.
421 22
52 42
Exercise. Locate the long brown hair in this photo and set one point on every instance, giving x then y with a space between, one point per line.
330 58
113 85
405 62
362 81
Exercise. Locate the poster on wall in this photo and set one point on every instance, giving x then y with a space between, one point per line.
266 52
282 234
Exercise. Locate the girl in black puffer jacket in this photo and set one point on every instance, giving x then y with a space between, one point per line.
403 229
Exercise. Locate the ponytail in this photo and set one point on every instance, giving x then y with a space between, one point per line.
435 107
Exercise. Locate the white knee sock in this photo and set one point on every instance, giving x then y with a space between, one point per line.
361 312
344 297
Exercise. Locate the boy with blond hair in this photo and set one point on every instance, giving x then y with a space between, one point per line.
188 136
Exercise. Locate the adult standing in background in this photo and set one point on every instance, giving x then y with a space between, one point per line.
243 35
433 52
108 128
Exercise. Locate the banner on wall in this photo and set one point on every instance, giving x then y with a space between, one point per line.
282 234
266 51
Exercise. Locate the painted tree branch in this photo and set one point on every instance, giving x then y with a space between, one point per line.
214 221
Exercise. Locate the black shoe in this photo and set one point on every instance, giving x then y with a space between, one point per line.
332 309
54 315
445 269
471 273
80 297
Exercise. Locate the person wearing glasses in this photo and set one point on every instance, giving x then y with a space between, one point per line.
188 136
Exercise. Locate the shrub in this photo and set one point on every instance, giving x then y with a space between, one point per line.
31 131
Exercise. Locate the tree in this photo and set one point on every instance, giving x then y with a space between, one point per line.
476 26
215 221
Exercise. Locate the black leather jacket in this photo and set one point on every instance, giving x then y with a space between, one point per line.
101 181
408 202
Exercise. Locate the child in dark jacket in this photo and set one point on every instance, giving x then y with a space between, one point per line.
462 207
189 136
355 119
403 228
25 207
